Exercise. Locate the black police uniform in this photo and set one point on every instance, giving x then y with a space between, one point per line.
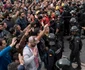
45 38
66 16
53 26
60 27
82 21
51 52
75 46
59 34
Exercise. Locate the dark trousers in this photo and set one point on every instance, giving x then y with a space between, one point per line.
66 27
50 60
75 57
39 68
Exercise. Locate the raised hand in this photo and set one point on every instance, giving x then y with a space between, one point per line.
20 59
45 27
14 40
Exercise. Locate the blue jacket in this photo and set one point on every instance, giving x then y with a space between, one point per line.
5 58
22 22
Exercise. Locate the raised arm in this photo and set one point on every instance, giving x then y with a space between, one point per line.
42 33
7 49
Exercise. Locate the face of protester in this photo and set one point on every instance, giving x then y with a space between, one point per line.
3 45
28 16
47 30
9 17
18 27
1 27
3 10
23 5
8 3
5 26
33 42
17 5
22 15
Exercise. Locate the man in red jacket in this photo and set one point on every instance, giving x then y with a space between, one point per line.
45 19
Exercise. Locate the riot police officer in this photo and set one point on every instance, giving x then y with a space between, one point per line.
60 32
75 46
66 16
53 53
73 22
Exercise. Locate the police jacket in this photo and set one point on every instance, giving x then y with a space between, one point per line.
75 44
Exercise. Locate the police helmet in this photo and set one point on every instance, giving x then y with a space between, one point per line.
83 3
65 7
73 21
63 63
72 12
57 13
81 7
74 29
52 39
73 3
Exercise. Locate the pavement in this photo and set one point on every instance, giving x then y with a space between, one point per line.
83 66
74 66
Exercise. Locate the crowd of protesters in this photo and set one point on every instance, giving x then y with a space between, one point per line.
26 23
